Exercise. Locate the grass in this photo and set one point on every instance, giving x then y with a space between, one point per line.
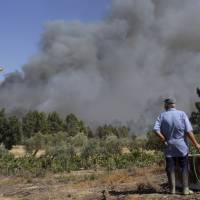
80 184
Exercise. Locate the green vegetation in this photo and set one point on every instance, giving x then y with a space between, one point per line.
195 116
64 159
195 120
153 142
10 130
68 144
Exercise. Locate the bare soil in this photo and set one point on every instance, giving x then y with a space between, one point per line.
146 183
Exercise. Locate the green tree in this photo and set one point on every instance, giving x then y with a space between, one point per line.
3 125
73 125
195 116
89 132
14 132
104 131
36 142
34 122
112 145
123 132
41 122
79 140
55 122
10 130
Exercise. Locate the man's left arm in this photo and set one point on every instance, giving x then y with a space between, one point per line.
193 140
189 132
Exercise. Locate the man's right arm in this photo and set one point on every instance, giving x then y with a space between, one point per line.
157 130
160 135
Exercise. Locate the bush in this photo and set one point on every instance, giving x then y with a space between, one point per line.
153 142
4 152
112 145
35 143
79 140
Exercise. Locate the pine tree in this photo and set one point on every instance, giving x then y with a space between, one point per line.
55 122
195 116
34 122
3 125
10 130
73 125
13 133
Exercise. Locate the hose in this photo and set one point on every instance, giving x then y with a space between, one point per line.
195 171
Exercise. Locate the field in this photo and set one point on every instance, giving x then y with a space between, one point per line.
135 183
84 168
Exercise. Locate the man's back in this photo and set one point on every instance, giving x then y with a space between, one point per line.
174 125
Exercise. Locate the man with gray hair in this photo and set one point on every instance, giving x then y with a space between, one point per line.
173 127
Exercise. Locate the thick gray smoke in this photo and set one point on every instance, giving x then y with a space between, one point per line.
118 68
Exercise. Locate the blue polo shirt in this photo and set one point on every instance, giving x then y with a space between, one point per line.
174 125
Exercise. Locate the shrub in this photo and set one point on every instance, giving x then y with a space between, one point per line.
153 142
79 140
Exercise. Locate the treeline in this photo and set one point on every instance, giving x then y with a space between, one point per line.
15 130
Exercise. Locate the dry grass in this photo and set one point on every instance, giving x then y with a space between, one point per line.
134 176
125 150
20 151
129 184
132 184
135 197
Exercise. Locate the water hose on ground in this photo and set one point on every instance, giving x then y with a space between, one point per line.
195 171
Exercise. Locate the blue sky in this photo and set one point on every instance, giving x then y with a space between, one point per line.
22 21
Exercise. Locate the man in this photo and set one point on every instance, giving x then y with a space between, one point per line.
173 127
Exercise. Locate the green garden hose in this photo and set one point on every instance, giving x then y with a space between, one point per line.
195 171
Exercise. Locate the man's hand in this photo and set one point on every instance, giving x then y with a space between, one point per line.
198 146
161 136
193 140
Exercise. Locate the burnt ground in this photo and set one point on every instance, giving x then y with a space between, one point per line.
146 183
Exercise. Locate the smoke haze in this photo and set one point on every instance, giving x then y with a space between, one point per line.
118 68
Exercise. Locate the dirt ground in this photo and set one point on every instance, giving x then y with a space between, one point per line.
132 184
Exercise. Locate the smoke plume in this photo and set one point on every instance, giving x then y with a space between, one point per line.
118 68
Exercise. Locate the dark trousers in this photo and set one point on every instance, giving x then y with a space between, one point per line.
171 164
